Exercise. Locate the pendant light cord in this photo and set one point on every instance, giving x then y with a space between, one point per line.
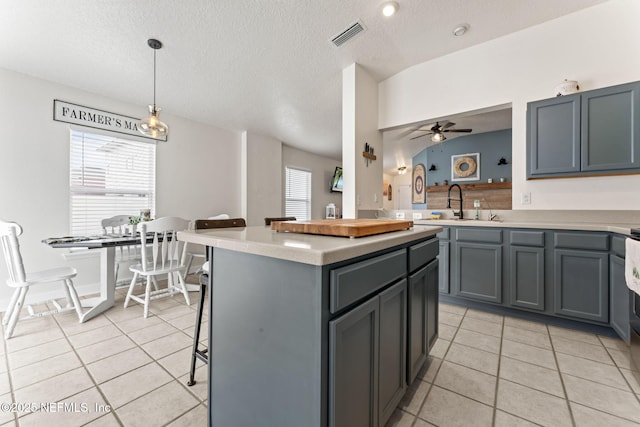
154 78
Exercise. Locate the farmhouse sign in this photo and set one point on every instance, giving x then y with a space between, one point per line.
97 119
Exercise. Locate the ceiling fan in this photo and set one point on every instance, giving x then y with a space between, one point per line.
437 131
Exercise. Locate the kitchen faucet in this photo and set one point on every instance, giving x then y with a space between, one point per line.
460 213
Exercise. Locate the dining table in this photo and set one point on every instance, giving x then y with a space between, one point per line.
107 245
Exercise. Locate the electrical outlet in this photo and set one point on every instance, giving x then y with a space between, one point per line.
399 215
417 215
525 198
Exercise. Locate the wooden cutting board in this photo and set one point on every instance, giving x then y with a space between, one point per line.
343 227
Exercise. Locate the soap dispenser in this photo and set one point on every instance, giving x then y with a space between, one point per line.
476 204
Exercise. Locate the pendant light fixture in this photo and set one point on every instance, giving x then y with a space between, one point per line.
152 126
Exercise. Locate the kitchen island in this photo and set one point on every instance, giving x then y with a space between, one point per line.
309 330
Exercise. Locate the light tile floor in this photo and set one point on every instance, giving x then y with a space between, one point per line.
493 370
485 370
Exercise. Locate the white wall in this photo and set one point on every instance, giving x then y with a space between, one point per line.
362 180
322 169
263 159
595 46
197 170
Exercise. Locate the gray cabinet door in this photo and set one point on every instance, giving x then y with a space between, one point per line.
553 139
432 302
392 372
417 345
353 367
443 266
478 271
610 136
619 297
581 284
526 277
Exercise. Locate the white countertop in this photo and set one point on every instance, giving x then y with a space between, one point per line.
303 248
549 225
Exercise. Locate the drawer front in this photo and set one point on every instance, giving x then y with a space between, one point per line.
527 238
464 234
423 253
618 246
355 281
589 241
444 234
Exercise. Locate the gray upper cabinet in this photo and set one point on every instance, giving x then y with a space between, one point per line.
593 132
553 143
611 128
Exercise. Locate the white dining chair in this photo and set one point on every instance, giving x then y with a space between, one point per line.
126 254
21 281
165 256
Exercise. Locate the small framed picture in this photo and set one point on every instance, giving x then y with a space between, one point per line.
465 167
418 180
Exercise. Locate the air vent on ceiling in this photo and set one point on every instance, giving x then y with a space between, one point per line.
346 35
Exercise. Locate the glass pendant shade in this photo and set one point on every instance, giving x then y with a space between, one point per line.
152 126
438 137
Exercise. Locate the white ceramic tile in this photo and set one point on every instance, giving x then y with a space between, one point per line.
56 388
103 349
535 406
528 325
118 364
574 335
595 371
621 358
451 319
532 376
145 335
478 340
602 398
446 332
507 420
166 345
414 397
482 326
451 308
201 377
125 388
589 417
93 336
440 348
36 353
76 410
161 406
195 417
484 315
582 349
7 416
539 339
470 357
42 370
528 353
468 382
430 368
445 408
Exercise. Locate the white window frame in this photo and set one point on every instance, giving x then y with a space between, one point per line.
108 176
298 199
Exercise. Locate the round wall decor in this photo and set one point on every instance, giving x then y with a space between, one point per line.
460 169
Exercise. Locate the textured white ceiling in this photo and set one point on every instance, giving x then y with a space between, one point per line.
266 66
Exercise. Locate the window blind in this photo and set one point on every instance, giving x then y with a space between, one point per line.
109 176
298 193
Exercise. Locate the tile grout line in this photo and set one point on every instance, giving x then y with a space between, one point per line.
435 375
93 380
6 363
564 387
495 397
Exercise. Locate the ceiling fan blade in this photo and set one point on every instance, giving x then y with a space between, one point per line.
458 130
447 125
420 136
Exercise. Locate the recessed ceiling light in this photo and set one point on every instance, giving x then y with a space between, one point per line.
460 30
390 8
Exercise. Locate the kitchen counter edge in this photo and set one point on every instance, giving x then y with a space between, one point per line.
304 248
